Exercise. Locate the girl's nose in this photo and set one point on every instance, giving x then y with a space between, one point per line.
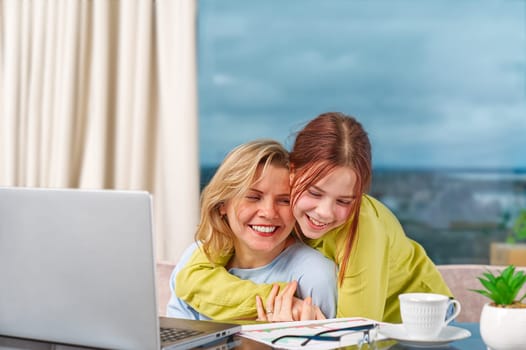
325 210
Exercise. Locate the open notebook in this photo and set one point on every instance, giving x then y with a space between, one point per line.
78 267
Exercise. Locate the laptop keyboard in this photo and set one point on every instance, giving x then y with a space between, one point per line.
172 334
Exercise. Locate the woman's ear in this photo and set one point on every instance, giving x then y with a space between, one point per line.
291 174
222 209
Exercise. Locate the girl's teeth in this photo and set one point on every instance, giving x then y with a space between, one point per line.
316 222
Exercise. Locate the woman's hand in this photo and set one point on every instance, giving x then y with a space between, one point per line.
283 306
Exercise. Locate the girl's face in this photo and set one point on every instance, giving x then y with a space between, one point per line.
261 219
326 204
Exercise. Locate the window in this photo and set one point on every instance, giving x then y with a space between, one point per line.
439 85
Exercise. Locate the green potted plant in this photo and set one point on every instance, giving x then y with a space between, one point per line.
517 233
513 251
503 319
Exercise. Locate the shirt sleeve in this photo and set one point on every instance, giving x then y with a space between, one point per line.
317 279
177 307
213 291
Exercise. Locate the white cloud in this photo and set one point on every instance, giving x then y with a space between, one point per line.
434 82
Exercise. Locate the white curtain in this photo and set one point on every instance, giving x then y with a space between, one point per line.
102 94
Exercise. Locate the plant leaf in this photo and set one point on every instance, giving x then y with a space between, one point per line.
503 287
508 273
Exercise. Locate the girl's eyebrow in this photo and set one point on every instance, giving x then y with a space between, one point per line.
317 188
322 191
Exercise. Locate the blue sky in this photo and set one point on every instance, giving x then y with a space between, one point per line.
436 83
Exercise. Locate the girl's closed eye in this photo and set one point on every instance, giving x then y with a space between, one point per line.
314 193
344 202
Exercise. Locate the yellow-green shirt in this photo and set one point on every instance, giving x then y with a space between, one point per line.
383 263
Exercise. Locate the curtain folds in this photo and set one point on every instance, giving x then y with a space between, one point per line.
102 94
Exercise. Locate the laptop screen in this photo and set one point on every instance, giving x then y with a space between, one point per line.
78 267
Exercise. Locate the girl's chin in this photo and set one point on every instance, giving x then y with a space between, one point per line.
311 233
313 236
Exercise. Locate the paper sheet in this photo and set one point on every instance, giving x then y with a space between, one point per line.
266 332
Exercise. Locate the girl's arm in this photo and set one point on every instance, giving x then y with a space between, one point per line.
177 307
213 291
217 293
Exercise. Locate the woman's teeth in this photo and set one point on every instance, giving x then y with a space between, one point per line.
264 229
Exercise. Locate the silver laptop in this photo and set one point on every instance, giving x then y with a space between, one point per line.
78 267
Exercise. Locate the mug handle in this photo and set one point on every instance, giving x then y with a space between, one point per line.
457 310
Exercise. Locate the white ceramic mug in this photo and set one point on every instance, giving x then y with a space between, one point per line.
424 314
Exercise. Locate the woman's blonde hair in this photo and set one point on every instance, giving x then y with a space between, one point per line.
232 180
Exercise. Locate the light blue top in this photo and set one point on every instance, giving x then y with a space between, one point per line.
316 276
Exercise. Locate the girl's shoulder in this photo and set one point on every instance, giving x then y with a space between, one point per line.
373 206
372 210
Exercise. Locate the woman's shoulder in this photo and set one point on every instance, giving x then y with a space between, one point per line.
301 251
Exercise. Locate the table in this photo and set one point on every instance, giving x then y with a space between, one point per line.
239 343
472 343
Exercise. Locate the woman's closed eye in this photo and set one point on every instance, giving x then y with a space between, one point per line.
253 197
284 201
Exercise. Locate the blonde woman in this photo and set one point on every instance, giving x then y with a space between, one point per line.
245 225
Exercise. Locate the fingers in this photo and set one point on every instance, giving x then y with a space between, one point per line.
283 303
272 297
297 306
285 298
310 311
267 313
319 315
307 311
284 306
271 300
262 316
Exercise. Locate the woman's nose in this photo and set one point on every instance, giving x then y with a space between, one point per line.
268 209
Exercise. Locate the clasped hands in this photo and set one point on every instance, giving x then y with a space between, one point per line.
284 306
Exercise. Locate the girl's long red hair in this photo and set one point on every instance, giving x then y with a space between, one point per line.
328 141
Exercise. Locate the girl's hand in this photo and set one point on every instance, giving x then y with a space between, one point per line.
285 307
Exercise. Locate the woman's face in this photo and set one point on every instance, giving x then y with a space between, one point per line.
326 204
261 219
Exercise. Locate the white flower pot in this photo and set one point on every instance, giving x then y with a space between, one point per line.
503 329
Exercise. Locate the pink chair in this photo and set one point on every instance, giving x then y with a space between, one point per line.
461 279
164 270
